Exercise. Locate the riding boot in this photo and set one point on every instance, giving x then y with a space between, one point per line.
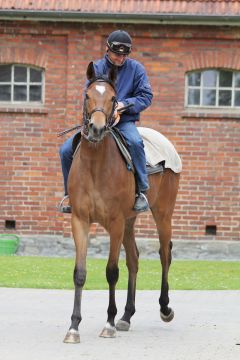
141 202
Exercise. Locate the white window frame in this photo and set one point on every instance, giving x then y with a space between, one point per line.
28 83
217 88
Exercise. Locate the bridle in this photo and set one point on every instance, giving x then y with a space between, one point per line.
88 115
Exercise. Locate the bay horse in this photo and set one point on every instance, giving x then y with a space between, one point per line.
102 189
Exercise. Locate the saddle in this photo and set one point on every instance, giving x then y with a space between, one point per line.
122 145
123 148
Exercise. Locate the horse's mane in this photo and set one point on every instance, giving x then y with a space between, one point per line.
103 78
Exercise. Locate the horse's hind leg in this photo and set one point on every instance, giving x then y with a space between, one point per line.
80 234
132 264
162 211
164 227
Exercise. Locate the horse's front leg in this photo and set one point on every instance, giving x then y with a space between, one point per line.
112 274
80 233
132 255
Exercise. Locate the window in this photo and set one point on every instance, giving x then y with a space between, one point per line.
213 88
21 84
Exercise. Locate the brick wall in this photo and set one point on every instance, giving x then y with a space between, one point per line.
31 182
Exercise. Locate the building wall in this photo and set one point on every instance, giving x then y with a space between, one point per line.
208 143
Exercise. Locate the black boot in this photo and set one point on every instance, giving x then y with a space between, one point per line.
141 203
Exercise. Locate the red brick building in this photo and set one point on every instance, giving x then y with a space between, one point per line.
191 50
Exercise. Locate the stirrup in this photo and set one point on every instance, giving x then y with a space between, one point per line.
64 209
145 206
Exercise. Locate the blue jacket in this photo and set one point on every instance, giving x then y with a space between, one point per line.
132 86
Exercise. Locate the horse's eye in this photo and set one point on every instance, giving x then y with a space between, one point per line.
113 98
87 96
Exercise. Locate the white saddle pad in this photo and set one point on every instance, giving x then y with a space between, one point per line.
158 148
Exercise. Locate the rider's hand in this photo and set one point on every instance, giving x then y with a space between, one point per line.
119 105
116 114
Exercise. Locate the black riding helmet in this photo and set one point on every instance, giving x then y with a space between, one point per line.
119 42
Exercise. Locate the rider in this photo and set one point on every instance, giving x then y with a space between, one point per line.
132 87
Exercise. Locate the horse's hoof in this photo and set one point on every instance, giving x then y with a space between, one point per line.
122 325
72 337
167 318
109 331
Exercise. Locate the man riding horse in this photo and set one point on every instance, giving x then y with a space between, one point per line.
133 88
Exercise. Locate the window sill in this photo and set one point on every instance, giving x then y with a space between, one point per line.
211 113
37 109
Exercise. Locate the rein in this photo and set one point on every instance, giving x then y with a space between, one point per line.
120 111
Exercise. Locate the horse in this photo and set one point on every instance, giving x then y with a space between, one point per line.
102 190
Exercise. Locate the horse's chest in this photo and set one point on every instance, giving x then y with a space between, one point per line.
99 201
102 206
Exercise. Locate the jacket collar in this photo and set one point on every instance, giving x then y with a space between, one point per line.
110 63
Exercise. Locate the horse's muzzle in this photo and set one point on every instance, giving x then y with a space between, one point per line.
95 133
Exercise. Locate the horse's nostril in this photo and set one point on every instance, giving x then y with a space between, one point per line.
96 131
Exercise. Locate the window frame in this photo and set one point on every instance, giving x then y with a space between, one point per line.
217 88
28 83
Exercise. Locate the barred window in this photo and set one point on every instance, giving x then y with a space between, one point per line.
21 84
213 88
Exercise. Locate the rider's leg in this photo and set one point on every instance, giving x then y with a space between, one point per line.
136 149
66 155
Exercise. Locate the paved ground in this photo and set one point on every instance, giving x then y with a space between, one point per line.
34 323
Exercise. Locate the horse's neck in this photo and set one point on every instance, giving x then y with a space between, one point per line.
102 152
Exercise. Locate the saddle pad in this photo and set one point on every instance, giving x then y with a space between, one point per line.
158 148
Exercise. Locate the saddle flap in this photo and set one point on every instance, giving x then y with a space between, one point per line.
121 143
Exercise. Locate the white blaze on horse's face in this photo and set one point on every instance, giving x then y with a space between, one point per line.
101 89
96 95
100 103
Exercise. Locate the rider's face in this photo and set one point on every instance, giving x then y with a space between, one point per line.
116 59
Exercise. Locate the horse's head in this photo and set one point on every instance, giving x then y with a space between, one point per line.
99 104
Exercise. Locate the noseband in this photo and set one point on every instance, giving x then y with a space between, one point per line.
87 116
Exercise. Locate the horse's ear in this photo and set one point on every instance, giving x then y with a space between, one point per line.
113 74
90 71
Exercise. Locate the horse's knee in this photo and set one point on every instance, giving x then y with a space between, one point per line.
169 249
79 277
166 255
112 274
